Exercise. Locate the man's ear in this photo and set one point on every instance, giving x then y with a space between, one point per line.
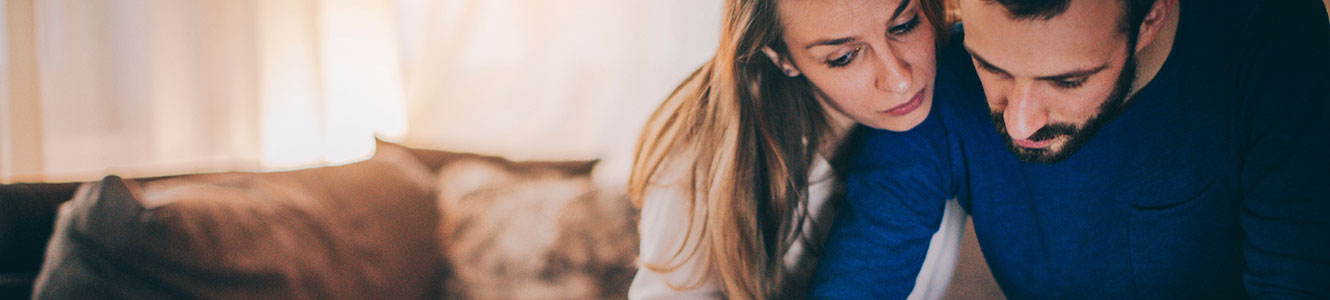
784 64
1154 22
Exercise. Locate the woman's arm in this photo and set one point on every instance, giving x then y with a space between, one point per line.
663 227
895 206
940 261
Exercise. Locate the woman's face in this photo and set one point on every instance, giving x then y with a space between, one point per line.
870 60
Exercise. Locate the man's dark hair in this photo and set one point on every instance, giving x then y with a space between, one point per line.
1048 9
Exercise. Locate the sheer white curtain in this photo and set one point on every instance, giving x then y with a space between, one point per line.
554 77
156 87
548 79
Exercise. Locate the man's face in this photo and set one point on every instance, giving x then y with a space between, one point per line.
1050 83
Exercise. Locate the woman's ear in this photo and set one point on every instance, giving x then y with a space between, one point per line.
784 64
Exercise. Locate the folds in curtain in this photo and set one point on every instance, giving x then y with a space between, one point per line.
157 87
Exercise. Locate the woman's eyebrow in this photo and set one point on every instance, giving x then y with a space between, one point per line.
830 42
841 41
899 9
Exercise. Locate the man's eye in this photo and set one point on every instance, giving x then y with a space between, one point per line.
843 60
991 70
905 28
1068 84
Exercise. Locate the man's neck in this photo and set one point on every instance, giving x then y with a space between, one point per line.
1151 58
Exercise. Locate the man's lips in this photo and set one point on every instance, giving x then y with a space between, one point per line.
907 107
1033 144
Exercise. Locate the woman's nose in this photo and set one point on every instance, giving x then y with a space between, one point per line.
894 73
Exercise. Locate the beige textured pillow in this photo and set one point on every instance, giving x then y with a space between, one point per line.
534 230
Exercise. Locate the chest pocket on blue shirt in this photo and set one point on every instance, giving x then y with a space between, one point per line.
1184 247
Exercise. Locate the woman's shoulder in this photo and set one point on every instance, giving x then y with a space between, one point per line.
822 171
670 257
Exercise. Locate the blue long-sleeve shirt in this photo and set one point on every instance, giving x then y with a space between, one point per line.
1214 183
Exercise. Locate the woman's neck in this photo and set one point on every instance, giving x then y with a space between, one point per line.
840 126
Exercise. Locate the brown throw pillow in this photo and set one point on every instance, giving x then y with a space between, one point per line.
365 231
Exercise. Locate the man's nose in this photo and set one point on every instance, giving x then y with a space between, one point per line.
894 73
1025 112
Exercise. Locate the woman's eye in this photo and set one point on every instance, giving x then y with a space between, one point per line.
843 60
905 28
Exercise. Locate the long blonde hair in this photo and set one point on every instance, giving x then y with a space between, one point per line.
749 134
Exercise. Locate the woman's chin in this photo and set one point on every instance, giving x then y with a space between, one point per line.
901 123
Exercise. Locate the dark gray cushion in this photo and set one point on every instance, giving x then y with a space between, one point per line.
27 215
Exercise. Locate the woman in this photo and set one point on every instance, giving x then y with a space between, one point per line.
732 172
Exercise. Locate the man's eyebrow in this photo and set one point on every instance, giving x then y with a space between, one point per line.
984 63
1058 77
841 41
1074 73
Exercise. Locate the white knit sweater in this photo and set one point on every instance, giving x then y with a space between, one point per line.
665 220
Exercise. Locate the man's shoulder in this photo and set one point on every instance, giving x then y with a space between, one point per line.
921 162
881 148
952 58
1244 19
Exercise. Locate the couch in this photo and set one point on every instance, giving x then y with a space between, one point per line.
405 224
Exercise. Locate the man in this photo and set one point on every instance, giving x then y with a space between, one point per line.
1143 149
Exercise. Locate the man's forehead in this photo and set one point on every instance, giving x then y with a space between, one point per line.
1084 35
1045 9
1080 15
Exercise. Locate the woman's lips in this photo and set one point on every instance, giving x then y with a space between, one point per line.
907 107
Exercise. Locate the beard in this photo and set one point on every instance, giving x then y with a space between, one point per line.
1073 136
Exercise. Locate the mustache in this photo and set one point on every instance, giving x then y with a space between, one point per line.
1049 131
